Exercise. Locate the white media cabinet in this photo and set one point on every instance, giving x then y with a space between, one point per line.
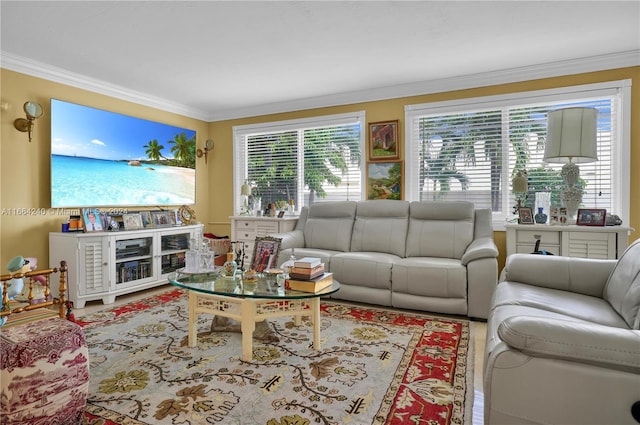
103 265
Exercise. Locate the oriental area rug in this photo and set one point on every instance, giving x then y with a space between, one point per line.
375 366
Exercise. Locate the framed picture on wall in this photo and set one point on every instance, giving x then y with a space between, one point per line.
383 140
384 180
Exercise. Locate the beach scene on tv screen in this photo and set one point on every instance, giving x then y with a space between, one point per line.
102 158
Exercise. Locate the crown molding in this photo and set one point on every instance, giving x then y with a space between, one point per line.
63 76
513 75
546 70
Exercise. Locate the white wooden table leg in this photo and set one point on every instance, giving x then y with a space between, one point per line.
315 319
248 325
192 340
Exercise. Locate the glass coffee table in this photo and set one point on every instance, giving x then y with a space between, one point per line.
248 303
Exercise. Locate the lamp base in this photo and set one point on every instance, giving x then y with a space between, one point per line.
571 197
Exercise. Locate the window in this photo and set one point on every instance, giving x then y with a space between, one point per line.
306 160
469 149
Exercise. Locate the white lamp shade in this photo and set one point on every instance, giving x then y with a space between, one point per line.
245 190
571 135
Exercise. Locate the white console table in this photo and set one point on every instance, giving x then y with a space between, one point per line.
245 228
608 242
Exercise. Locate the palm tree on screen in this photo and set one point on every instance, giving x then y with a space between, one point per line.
153 150
183 149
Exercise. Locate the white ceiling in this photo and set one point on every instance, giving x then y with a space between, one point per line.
215 60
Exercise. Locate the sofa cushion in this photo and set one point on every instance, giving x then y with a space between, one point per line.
622 290
440 229
329 225
430 277
367 269
569 305
381 226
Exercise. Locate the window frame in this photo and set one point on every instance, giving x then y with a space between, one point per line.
621 160
241 132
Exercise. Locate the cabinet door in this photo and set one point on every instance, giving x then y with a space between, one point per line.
173 246
591 245
133 261
93 271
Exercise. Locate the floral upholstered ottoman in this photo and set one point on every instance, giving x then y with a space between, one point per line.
44 372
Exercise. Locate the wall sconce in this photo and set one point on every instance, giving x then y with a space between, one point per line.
33 111
208 145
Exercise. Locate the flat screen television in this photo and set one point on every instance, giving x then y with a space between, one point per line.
105 159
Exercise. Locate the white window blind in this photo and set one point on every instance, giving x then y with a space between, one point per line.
306 160
469 150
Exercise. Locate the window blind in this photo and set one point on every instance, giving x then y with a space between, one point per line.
307 160
470 150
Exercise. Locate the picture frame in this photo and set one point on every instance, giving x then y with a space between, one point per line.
281 214
383 143
147 221
554 215
525 215
562 216
161 218
265 253
91 220
591 217
132 221
385 180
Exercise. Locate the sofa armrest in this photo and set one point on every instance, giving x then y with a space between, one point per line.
291 239
580 275
480 248
603 346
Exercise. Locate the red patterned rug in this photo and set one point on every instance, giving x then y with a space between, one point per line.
375 366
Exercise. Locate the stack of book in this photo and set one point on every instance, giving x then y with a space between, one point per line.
308 275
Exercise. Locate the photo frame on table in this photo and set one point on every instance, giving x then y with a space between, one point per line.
525 215
383 141
91 220
385 180
132 221
591 217
161 218
265 253
147 221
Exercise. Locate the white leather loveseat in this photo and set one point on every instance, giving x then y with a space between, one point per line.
428 256
563 342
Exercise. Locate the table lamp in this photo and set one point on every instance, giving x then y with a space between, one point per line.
571 139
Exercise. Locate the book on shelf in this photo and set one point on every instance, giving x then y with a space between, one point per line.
301 273
313 285
307 262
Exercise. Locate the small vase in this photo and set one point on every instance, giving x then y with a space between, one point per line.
541 217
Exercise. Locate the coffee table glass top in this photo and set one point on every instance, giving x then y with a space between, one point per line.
265 286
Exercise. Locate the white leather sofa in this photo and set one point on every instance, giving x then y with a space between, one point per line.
428 256
563 342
